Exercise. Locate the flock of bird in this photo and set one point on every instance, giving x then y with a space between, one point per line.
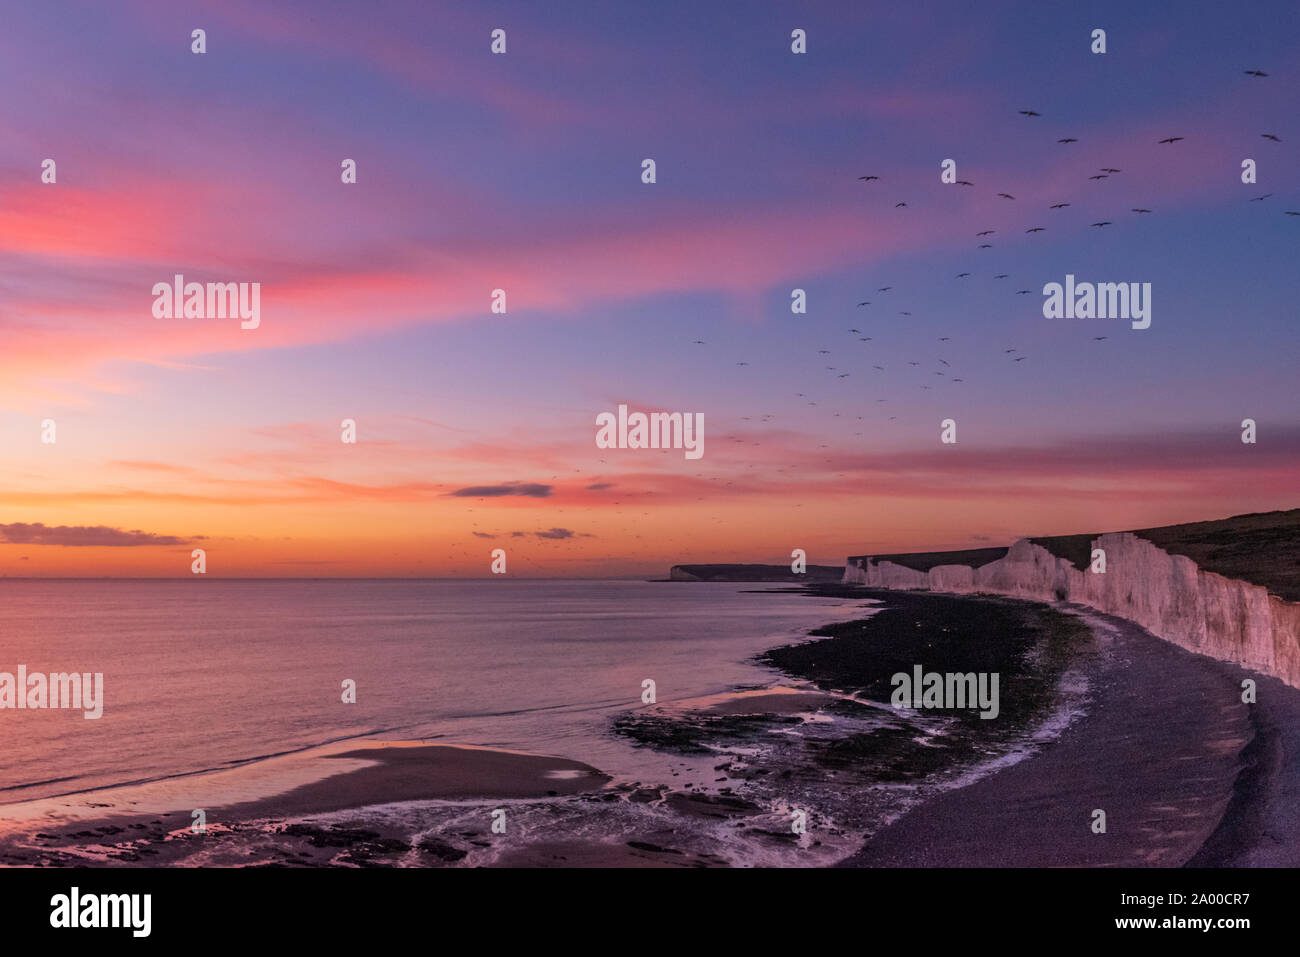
1011 353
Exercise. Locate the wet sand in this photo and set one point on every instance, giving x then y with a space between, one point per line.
1184 771
381 772
406 771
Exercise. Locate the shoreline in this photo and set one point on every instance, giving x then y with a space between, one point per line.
1187 774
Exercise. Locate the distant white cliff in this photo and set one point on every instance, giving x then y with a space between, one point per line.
1169 595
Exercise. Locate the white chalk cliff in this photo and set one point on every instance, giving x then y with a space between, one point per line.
1169 595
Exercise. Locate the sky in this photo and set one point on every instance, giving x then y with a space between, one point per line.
522 171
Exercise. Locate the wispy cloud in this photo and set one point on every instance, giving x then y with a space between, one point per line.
37 533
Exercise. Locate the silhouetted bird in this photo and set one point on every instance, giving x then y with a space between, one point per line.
1099 338
1068 139
1059 206
1259 199
898 205
1006 195
987 232
1112 170
868 179
1254 73
1036 229
1029 113
1099 176
1270 136
1136 210
1171 139
1102 224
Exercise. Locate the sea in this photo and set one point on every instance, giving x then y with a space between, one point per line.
208 675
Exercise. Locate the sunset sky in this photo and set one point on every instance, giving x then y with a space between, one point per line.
523 172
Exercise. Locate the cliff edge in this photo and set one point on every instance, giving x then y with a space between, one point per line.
1167 594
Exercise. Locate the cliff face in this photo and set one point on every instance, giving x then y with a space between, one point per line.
1168 595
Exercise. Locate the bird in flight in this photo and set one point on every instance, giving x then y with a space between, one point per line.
1260 199
1136 210
945 362
1008 350
1006 195
897 205
904 313
884 289
1059 206
944 338
913 363
962 275
868 179
1270 136
881 368
858 331
987 232
1000 275
1036 229
865 303
1171 139
1022 292
986 246
964 182
1254 73
1019 359
699 342
1292 212
823 352
1068 139
1099 176
1112 170
1099 338
1029 113
742 363
1107 223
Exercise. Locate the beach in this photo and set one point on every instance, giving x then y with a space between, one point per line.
1095 714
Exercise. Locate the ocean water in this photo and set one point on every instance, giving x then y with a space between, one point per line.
241 676
202 675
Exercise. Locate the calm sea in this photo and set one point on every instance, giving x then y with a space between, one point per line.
202 675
